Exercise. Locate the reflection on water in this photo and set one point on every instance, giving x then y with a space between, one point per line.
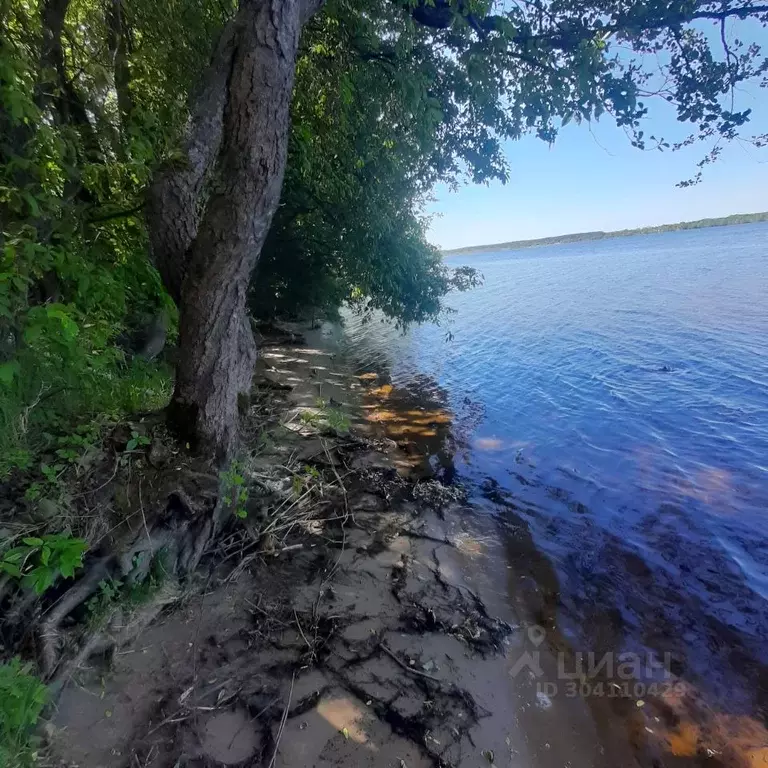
608 403
418 418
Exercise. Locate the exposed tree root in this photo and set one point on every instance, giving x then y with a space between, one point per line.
408 669
114 631
48 629
174 528
24 602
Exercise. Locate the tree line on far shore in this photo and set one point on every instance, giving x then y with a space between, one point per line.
577 237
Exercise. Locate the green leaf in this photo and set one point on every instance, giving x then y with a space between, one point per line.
69 327
39 579
16 554
32 203
10 568
32 541
9 371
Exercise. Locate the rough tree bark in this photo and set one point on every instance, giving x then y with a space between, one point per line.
236 148
175 198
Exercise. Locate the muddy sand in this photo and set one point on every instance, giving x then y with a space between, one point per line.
366 630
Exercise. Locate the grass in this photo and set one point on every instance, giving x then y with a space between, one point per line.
327 414
65 416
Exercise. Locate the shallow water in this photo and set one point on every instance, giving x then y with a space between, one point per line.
610 401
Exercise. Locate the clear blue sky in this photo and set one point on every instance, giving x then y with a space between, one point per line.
592 179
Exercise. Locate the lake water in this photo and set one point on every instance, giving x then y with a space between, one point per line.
608 408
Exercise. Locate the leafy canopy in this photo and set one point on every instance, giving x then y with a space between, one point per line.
390 97
393 96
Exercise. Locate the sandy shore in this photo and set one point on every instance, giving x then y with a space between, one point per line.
378 633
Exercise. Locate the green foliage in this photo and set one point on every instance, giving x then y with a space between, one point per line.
235 489
114 593
310 418
390 99
389 102
337 420
136 441
326 414
104 599
305 480
39 561
369 138
22 698
74 273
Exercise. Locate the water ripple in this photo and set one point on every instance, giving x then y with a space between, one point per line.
623 387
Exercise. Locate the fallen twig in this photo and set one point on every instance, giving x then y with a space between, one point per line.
282 723
301 632
413 671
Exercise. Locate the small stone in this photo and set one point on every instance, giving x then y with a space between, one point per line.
159 454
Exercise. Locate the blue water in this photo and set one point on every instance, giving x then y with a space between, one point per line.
613 397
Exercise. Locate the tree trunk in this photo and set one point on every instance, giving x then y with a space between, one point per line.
52 15
236 148
55 91
119 42
175 198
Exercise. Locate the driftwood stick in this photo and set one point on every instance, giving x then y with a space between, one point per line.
413 671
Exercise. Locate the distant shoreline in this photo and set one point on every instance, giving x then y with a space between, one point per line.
724 221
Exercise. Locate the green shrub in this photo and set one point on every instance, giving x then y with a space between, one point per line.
22 698
72 283
235 490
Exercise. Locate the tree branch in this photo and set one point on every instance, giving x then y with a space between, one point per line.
742 12
117 214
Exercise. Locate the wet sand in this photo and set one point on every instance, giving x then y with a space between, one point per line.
385 637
